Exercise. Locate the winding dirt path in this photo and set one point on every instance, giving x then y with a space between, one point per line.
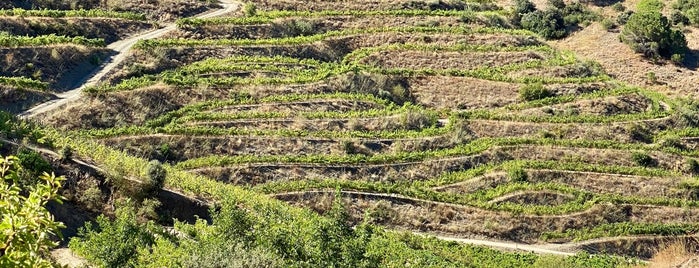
121 48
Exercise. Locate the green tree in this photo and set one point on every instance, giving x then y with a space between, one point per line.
27 226
521 7
650 33
549 23
156 177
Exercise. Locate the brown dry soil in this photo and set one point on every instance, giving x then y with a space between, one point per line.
110 30
361 5
163 10
57 65
15 100
621 62
471 222
287 27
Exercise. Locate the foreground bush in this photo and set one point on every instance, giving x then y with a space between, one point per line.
27 228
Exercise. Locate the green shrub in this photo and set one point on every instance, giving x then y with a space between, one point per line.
156 177
33 165
521 8
250 9
691 166
517 174
559 4
673 142
114 243
652 78
677 59
650 33
618 6
66 153
607 24
532 92
576 13
643 159
623 17
640 133
677 18
417 120
688 113
689 9
650 6
549 24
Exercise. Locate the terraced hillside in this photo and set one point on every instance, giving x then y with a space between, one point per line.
437 118
48 47
429 119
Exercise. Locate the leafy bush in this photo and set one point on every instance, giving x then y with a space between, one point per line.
618 6
577 13
691 166
688 9
517 174
688 113
640 133
608 24
418 120
677 18
66 153
652 78
643 159
114 243
534 92
156 177
673 142
521 8
677 59
33 165
623 17
549 23
27 226
650 6
559 4
650 33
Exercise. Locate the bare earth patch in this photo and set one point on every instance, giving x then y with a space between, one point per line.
621 62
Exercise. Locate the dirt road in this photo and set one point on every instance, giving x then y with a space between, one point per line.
121 48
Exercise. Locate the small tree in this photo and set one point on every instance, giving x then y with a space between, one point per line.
650 33
549 23
521 7
156 177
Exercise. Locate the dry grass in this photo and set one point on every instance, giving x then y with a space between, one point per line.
621 62
316 5
614 105
674 255
462 92
108 29
449 60
51 64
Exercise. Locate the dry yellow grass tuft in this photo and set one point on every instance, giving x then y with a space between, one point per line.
674 256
